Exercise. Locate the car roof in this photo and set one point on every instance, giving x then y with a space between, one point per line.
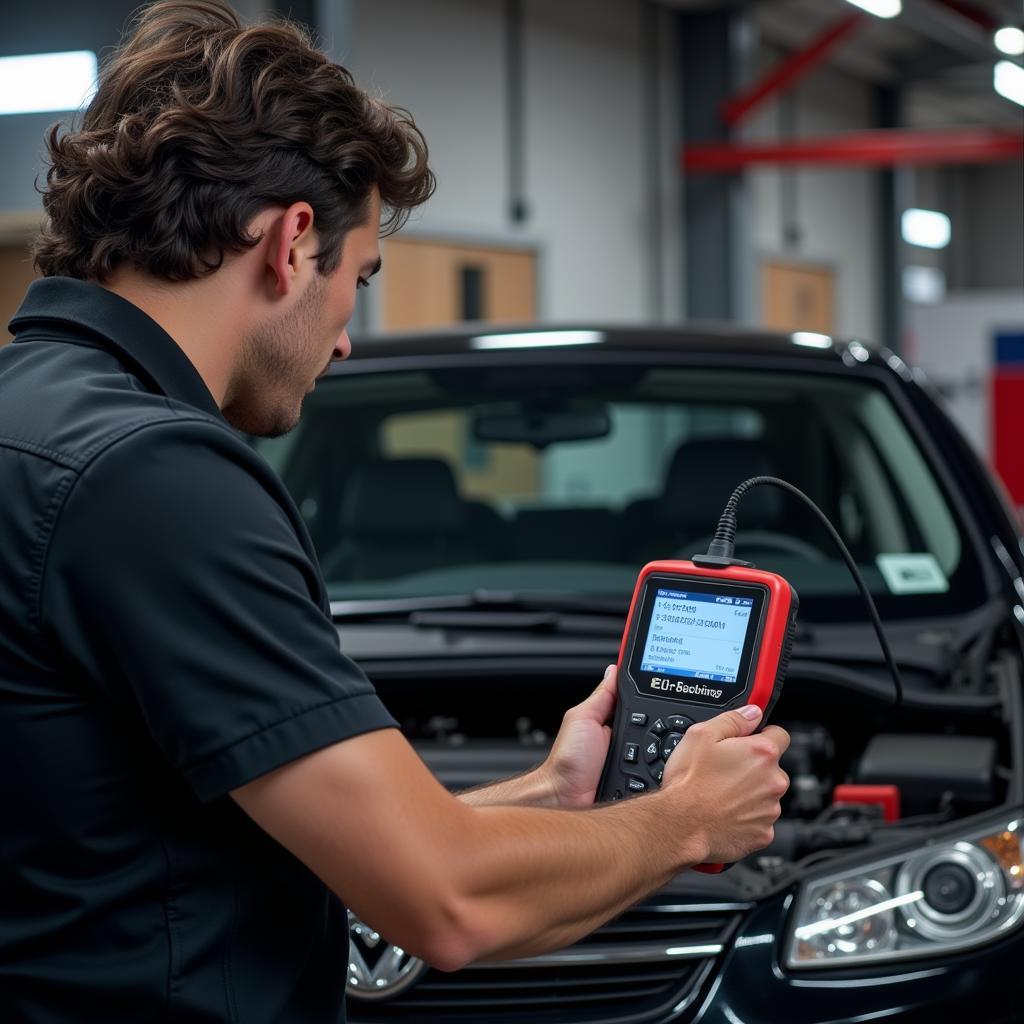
714 338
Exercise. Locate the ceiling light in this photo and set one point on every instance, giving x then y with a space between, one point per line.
923 285
37 82
1008 81
1010 41
537 339
879 8
927 228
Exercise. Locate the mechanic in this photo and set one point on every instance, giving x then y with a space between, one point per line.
195 780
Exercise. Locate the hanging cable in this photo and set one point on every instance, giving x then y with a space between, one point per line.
723 545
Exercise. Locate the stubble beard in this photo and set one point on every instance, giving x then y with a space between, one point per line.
277 361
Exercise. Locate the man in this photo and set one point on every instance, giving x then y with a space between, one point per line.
194 780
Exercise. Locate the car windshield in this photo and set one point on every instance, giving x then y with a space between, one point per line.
545 479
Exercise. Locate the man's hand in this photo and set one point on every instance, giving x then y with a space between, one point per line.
573 769
729 783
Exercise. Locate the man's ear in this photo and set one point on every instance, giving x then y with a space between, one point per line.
292 241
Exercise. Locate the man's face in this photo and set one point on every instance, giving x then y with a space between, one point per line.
282 357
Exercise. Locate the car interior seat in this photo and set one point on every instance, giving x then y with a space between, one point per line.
700 478
488 532
399 516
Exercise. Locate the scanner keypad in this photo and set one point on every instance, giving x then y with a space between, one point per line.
654 747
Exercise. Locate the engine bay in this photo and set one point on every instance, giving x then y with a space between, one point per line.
862 771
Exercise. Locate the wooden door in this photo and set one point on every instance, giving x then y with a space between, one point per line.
798 297
436 284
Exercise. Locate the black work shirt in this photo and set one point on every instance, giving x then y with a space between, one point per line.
165 637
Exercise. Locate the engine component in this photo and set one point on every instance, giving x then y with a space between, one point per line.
885 798
808 762
924 768
796 839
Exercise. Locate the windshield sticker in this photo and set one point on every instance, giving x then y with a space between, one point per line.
912 574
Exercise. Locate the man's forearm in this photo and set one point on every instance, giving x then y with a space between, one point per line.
537 881
530 789
452 882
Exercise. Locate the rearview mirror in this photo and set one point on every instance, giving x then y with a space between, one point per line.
541 425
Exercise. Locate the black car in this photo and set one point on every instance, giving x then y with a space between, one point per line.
482 502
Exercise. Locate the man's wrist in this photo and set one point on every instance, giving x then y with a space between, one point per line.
545 787
695 844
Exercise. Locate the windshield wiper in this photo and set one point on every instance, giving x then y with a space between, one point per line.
498 609
579 624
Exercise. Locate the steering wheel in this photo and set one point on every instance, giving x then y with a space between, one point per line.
760 539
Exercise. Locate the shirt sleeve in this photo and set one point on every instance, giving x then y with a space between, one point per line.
176 583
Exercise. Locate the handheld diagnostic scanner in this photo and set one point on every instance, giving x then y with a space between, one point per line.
704 636
699 640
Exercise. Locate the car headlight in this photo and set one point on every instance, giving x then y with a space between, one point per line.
950 895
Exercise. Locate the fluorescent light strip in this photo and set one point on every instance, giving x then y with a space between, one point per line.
1008 81
929 229
39 82
879 8
811 340
537 339
1010 40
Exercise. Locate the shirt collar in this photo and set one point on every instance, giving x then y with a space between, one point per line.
115 324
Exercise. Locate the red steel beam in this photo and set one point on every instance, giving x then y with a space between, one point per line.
884 148
789 71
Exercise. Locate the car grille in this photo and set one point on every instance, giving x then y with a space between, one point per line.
653 959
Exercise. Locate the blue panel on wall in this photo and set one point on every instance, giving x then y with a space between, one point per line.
1010 349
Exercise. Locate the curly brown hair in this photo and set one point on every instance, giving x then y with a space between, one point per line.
198 125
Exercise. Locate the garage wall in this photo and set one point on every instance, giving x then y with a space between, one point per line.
953 342
585 166
986 206
587 162
836 212
443 65
588 165
988 209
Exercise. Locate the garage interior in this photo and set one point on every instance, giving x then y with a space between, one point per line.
765 199
646 162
